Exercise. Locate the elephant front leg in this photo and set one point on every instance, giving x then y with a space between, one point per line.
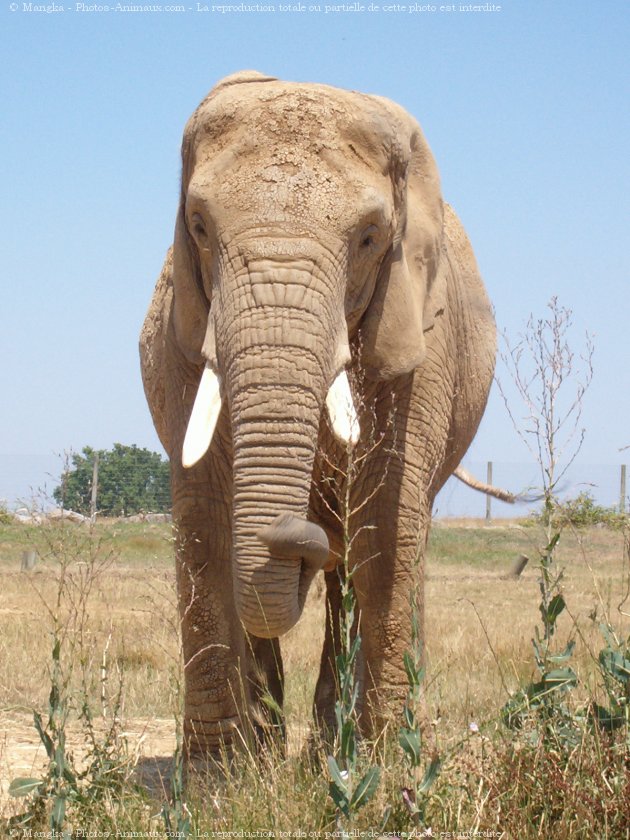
216 695
392 623
388 578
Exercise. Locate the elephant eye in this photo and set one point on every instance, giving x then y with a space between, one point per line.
198 227
368 238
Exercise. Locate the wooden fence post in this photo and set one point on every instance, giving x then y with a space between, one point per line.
488 497
29 559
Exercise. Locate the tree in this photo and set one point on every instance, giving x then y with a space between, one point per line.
130 480
551 384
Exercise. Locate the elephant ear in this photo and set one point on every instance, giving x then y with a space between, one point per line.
400 311
476 329
190 304
153 350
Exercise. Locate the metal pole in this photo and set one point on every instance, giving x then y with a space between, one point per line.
622 490
94 488
489 498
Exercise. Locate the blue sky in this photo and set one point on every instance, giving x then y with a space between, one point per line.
526 110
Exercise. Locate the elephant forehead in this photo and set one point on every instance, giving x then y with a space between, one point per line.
281 151
267 182
310 118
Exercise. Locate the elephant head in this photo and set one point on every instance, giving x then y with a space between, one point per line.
310 222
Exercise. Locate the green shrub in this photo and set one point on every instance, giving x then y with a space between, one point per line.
581 512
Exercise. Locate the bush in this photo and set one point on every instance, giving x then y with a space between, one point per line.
581 512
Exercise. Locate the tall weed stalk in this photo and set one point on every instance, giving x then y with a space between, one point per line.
76 559
352 785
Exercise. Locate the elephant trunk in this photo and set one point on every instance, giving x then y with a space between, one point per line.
279 364
277 551
288 536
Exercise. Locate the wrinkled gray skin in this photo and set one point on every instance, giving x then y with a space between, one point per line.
311 236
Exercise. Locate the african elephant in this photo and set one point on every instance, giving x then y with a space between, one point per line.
311 242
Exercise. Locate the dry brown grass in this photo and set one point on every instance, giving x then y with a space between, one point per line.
477 619
479 625
131 622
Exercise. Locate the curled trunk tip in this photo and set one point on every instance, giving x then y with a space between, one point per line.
291 536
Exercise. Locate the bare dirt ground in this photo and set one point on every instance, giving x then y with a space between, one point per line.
150 747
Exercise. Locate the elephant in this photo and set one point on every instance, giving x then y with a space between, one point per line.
320 306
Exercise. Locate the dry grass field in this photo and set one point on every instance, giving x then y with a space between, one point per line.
116 617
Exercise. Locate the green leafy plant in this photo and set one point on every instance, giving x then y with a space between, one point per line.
60 781
614 666
542 368
582 512
347 792
410 732
175 814
541 702
352 785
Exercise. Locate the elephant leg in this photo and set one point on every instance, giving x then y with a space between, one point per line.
388 559
217 695
389 592
267 688
327 682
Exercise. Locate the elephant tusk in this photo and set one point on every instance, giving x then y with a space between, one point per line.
343 415
203 418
